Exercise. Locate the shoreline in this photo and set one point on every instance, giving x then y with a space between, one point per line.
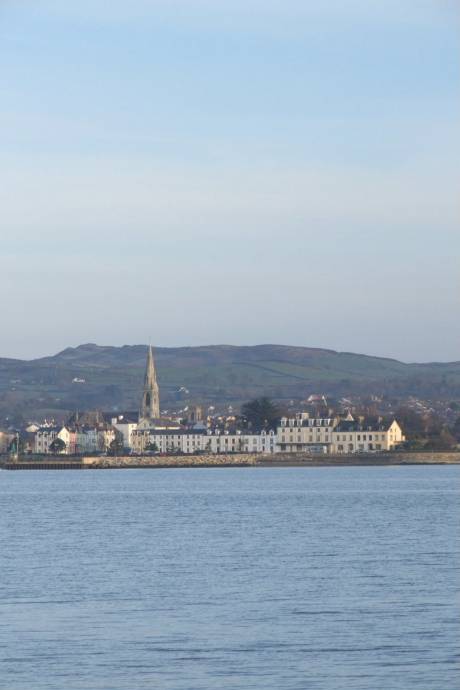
197 461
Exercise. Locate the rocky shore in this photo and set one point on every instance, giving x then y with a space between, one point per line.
230 460
239 460
277 460
359 460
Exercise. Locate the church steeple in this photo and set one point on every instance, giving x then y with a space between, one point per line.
150 406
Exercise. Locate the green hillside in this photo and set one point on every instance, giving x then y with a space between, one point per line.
212 374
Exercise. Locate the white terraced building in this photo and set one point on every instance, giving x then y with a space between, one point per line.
203 441
302 433
355 437
45 436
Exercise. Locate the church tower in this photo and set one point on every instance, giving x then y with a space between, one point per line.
150 406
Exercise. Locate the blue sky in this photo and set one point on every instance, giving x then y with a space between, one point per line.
241 172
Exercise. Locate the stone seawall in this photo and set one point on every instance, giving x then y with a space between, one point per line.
240 460
276 460
170 461
361 459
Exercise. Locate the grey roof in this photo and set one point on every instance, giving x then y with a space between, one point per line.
177 432
345 426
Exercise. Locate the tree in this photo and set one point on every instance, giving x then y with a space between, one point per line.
152 447
412 424
260 413
456 429
57 445
16 446
115 446
442 441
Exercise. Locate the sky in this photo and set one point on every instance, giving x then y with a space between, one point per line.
192 172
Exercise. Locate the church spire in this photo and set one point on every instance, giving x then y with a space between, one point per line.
150 406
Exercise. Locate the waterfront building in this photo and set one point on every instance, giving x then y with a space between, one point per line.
86 440
357 437
5 440
45 436
143 437
176 440
78 438
302 433
125 423
194 440
241 442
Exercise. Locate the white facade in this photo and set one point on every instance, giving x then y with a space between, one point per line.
302 433
351 437
201 441
241 442
82 440
87 441
5 440
144 435
45 436
126 428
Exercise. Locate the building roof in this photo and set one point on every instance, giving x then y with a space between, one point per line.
346 425
177 432
156 423
309 422
123 417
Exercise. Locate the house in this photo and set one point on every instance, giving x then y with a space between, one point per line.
200 440
125 423
241 442
159 429
45 436
5 440
357 437
302 433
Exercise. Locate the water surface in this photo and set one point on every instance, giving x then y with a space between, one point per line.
247 578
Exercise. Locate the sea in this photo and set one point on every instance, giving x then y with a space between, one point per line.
343 578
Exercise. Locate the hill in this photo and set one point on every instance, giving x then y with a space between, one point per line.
105 377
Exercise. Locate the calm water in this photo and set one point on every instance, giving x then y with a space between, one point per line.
330 579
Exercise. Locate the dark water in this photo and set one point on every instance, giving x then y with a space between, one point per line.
335 579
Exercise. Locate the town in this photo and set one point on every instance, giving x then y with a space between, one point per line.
260 428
